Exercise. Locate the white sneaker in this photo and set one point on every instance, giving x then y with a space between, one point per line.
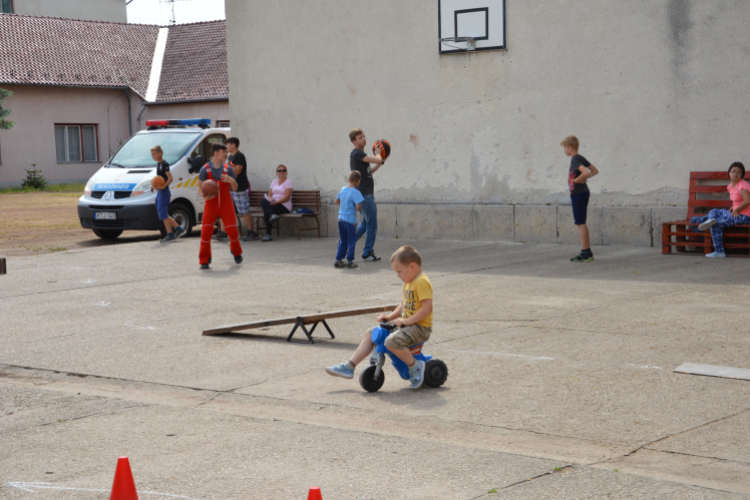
707 224
716 255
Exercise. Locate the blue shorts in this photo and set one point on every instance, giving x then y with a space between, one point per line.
162 203
580 204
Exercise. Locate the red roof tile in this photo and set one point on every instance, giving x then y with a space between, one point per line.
66 52
195 63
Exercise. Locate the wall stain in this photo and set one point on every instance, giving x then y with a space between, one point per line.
414 139
351 88
680 26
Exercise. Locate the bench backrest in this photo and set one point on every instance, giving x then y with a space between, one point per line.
300 199
708 190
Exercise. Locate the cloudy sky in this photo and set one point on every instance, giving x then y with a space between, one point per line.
186 11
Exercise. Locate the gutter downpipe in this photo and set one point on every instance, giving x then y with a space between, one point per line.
130 115
143 108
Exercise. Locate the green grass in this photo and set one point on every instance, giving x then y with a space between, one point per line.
72 187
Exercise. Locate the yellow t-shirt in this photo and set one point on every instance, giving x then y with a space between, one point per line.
415 292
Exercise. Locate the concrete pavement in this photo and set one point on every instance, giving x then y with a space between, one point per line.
560 375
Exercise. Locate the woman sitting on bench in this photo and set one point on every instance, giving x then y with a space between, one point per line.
278 200
718 219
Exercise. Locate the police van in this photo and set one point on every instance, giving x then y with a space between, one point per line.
118 197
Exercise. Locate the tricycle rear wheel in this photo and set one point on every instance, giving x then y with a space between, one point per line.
368 381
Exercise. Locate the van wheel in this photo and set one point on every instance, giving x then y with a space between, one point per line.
108 234
183 216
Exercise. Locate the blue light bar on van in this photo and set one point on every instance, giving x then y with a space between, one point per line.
201 122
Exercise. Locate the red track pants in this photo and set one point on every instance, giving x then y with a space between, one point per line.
221 206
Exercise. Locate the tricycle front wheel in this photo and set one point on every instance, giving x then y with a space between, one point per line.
368 381
435 373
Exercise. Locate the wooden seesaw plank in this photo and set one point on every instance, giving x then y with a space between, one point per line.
304 320
714 371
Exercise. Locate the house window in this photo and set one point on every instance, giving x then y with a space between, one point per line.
222 124
76 143
6 6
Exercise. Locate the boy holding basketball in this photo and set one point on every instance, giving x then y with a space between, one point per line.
218 204
361 162
413 317
580 171
349 200
164 195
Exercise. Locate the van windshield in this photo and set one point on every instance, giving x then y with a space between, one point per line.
137 151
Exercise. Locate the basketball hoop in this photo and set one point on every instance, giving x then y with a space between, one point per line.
471 43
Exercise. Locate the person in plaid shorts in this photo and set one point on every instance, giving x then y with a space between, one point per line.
241 197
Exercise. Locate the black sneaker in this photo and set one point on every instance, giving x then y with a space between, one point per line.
339 264
220 235
238 259
371 257
250 236
352 265
204 267
583 258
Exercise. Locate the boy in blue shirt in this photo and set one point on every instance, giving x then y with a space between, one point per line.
349 200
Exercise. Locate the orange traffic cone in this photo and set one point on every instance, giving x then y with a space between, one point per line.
314 494
123 488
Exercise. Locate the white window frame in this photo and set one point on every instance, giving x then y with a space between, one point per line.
80 127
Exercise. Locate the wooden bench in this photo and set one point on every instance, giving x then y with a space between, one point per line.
706 190
300 199
301 321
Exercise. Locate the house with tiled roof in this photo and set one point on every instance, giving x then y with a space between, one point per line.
82 88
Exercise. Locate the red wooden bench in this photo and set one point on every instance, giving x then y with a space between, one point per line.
708 190
300 199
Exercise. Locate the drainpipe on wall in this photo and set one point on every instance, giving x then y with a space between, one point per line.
130 116
143 108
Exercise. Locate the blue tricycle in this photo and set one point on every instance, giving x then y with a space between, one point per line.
371 378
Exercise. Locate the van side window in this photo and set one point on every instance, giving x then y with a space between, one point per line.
204 148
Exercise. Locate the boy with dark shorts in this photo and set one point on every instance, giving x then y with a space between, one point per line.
580 171
164 196
413 319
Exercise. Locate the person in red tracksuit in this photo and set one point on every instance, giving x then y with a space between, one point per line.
218 205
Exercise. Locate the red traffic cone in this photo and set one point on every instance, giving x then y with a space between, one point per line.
314 494
123 488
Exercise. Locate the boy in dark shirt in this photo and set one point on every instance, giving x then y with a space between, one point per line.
360 161
580 170
164 195
241 197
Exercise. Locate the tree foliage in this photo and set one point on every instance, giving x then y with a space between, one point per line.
5 124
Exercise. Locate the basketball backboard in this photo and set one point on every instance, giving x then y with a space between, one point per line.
480 20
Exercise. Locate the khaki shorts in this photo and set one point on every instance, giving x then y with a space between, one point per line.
408 336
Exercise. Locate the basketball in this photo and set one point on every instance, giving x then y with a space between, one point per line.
385 146
157 181
210 187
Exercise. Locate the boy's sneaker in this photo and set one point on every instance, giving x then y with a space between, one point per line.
178 232
250 236
339 264
220 235
707 224
204 267
716 255
371 257
340 371
352 265
169 237
416 375
238 259
582 258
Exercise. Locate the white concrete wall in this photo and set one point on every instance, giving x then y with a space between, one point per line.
653 90
90 10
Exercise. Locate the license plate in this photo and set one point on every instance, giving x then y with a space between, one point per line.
105 215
